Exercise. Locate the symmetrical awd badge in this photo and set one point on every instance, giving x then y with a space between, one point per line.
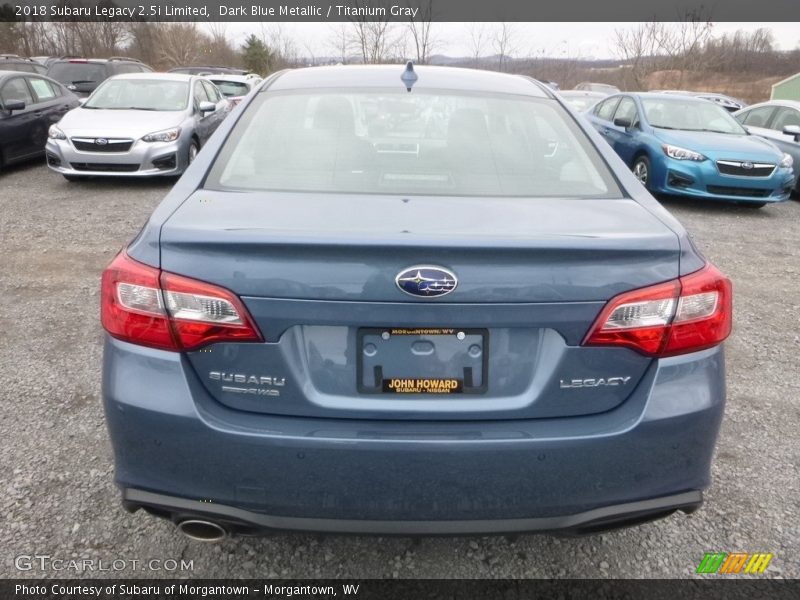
427 281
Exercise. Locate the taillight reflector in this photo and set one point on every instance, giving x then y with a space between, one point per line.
144 305
687 314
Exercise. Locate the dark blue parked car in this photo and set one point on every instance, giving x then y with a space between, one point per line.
691 147
437 311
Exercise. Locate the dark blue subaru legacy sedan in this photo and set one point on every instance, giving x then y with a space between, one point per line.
414 301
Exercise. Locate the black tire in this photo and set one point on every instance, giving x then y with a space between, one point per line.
194 148
74 178
641 170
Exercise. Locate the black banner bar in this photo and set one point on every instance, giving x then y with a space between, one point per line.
402 10
406 589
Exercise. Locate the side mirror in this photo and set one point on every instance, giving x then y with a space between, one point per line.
207 107
622 122
13 105
793 130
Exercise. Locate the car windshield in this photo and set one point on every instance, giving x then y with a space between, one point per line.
689 114
428 142
230 89
68 72
140 94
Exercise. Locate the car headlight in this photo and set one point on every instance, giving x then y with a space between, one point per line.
787 161
679 153
54 133
168 135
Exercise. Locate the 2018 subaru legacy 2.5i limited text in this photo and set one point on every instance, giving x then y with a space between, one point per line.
431 306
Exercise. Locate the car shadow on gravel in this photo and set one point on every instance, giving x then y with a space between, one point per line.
112 183
710 207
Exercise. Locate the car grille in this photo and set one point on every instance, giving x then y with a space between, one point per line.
111 145
723 190
110 167
745 168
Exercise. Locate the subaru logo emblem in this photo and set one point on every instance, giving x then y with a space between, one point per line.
101 141
426 281
747 165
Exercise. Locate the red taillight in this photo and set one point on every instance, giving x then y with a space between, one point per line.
144 305
687 314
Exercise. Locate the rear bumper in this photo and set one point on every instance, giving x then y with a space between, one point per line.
179 452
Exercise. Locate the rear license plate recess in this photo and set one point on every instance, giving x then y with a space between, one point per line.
422 360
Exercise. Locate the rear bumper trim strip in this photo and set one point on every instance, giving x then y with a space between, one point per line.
608 514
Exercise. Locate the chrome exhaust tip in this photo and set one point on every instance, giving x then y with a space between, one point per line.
202 531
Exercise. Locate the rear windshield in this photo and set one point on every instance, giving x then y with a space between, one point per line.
231 89
140 94
77 72
393 142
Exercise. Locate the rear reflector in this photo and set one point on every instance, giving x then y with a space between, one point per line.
685 315
144 305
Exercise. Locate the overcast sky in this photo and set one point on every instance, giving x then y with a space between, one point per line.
571 40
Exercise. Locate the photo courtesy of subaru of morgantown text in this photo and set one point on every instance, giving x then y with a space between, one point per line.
426 300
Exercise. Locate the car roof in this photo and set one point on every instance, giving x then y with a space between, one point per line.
787 103
662 95
7 72
79 61
233 78
196 69
583 93
164 76
388 76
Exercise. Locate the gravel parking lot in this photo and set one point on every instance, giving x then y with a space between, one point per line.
57 496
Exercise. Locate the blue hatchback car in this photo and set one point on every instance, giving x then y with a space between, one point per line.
691 147
435 305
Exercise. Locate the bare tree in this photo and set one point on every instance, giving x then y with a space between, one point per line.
503 42
340 42
180 44
420 30
282 46
145 39
638 48
683 43
27 38
375 40
677 47
477 38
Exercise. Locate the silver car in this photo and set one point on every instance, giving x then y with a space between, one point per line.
141 124
779 122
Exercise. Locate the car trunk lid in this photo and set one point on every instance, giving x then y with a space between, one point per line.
317 272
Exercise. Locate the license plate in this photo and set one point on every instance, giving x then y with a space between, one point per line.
423 360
